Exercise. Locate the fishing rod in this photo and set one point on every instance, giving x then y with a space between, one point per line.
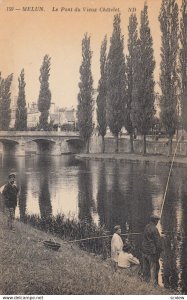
171 166
102 236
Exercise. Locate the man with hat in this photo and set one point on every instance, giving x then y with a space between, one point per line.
116 245
10 194
151 249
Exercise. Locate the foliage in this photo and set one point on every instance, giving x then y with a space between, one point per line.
116 83
72 229
102 93
44 100
85 96
5 99
21 110
143 89
48 127
169 26
183 63
68 127
131 59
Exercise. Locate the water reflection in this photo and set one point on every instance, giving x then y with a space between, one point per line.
22 203
102 197
85 197
45 199
110 193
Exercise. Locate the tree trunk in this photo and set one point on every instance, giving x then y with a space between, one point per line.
131 143
87 146
144 144
117 143
103 144
170 146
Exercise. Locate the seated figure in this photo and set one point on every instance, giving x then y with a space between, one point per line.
126 259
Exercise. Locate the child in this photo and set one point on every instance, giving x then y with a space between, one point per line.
116 246
126 259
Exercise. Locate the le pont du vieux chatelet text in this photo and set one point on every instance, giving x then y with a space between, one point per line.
64 9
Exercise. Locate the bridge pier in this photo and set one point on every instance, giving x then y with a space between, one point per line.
8 149
49 148
20 149
56 149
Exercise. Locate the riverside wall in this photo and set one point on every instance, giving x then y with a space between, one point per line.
153 147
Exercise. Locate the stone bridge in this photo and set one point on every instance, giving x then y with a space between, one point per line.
49 142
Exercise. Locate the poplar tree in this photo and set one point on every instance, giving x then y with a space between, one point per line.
102 94
5 100
21 110
131 59
169 26
143 89
116 81
183 63
44 99
85 96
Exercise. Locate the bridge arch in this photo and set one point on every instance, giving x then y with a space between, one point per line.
8 140
75 145
40 139
9 145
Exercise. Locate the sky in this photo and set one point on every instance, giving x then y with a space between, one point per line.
58 30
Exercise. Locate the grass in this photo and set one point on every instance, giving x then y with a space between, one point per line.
28 268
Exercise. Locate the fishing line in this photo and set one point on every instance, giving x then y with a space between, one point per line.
171 166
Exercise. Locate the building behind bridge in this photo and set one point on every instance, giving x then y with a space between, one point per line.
62 118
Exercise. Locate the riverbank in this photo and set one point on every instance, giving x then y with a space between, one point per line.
28 268
133 157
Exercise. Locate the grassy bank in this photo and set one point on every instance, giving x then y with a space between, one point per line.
133 157
73 229
27 267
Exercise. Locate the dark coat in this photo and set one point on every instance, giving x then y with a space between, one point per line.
151 244
10 193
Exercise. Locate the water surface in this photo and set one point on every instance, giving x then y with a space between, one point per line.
108 193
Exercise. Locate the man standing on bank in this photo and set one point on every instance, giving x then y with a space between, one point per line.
151 249
10 195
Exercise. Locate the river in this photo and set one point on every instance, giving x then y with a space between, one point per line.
108 193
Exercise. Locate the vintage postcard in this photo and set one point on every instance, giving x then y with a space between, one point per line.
93 148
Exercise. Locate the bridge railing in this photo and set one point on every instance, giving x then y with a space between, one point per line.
38 133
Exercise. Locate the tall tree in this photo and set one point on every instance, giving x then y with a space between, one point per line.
116 81
44 99
102 94
183 63
143 90
169 26
5 100
85 96
21 110
131 59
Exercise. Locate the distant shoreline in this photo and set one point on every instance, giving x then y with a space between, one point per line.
132 157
